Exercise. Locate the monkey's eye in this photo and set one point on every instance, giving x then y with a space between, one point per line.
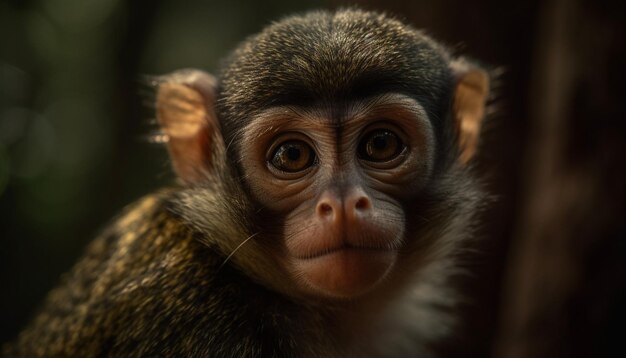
293 156
380 145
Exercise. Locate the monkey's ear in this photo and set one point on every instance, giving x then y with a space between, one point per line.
470 97
185 111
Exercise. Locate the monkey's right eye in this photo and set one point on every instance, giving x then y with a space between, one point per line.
293 156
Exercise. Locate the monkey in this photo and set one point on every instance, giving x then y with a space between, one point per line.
324 192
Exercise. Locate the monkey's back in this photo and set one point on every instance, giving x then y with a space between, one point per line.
147 286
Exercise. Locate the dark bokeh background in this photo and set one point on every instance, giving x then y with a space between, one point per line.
549 274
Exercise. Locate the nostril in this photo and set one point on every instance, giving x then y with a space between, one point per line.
363 204
325 209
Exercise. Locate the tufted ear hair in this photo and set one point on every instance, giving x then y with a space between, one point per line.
185 112
470 97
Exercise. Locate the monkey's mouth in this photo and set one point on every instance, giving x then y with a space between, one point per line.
312 247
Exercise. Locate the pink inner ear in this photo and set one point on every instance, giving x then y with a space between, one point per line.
182 114
469 107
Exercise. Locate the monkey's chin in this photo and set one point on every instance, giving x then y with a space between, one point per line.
345 273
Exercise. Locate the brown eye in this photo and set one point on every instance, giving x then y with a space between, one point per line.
293 156
380 145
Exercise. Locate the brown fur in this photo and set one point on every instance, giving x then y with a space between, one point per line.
183 272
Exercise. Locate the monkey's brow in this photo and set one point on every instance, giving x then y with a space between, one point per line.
349 113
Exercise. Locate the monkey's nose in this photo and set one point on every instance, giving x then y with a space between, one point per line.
352 208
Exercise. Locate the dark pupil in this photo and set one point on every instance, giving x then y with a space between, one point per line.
293 153
380 141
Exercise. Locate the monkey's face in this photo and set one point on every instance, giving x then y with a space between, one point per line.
338 175
321 116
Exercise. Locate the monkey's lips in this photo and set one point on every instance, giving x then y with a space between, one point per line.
345 271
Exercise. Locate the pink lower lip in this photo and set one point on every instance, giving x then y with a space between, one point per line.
346 249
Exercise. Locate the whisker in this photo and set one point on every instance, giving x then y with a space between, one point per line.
231 142
235 250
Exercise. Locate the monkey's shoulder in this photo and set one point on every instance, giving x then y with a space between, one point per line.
148 285
180 298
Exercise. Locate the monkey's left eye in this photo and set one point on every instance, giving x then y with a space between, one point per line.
380 145
293 156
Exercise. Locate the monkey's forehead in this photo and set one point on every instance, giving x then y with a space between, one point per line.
327 56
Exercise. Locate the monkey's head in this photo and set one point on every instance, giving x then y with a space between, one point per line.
329 144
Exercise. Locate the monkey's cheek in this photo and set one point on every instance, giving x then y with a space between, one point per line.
345 273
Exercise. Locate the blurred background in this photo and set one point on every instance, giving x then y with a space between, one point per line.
548 277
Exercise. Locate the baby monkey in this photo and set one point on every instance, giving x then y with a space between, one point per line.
323 194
